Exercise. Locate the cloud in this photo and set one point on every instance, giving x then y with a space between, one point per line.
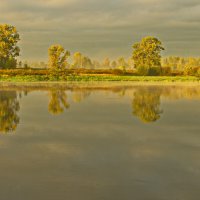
99 28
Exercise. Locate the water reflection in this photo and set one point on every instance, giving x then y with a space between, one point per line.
79 96
97 146
9 108
58 101
145 100
146 104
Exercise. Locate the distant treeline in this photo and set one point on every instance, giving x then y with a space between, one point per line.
173 62
146 59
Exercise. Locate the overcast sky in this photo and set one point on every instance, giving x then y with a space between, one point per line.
101 28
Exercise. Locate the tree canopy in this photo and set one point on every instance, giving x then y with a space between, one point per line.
147 53
58 57
9 37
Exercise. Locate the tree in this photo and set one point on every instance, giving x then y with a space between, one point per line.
130 63
20 64
58 58
77 60
9 37
26 65
147 53
106 62
86 62
190 70
121 62
96 64
181 64
114 64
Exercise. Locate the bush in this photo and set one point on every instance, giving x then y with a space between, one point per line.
143 71
23 72
198 72
149 71
154 71
190 71
9 63
166 71
177 73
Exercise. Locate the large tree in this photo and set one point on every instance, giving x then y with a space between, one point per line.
9 37
58 58
147 53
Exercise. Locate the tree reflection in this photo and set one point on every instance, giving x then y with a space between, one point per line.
9 107
146 104
58 102
79 96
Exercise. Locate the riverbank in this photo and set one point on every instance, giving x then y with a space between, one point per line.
91 78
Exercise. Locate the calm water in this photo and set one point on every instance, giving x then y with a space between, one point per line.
99 142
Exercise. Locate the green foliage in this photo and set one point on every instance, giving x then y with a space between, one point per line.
24 72
77 60
198 72
154 71
179 63
106 63
9 63
149 71
57 60
114 64
26 66
9 37
86 62
142 70
122 62
166 71
96 77
147 53
189 70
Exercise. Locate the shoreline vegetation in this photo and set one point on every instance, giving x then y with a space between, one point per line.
145 65
97 78
87 75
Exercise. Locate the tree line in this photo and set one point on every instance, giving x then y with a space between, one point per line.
146 57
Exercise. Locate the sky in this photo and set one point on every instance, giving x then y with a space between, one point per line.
103 28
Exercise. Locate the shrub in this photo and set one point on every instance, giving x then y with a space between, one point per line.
166 71
143 71
177 73
23 72
10 63
149 71
190 71
154 71
198 72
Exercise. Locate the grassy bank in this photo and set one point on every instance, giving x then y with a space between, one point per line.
85 78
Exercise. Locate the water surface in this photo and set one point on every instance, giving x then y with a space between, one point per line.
99 142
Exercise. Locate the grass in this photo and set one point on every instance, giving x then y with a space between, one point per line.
89 78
